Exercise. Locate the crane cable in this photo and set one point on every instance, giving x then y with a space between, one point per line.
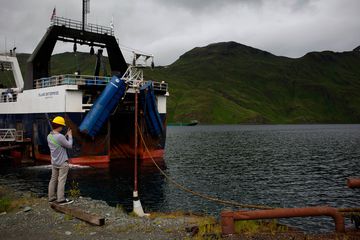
201 195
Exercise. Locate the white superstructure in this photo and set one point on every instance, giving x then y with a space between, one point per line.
60 94
65 98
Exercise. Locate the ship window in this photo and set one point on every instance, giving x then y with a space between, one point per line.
7 78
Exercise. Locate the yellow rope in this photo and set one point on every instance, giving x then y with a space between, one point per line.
204 196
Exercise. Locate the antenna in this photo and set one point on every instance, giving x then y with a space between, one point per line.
5 45
86 10
14 48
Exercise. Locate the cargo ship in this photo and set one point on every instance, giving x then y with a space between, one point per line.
34 102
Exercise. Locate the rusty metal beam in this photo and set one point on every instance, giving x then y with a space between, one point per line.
353 182
227 218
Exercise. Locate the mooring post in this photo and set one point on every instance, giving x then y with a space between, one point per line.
137 208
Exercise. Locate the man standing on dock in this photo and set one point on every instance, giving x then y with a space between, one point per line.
59 160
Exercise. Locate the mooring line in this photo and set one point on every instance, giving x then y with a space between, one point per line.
204 196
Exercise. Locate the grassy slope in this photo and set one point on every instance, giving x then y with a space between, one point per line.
234 83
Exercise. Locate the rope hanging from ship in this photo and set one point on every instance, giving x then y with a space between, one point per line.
201 195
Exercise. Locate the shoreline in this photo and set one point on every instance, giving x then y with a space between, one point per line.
31 216
24 214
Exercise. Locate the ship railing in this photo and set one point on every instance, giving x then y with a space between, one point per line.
71 79
11 135
87 80
78 25
8 97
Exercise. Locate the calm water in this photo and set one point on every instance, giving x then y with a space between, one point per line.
276 165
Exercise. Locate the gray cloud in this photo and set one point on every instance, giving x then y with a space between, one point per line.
168 28
206 5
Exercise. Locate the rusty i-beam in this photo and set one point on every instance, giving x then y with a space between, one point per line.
227 218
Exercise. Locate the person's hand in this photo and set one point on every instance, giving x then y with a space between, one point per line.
69 133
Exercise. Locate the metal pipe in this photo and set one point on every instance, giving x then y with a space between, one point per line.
228 228
353 182
227 223
349 212
137 208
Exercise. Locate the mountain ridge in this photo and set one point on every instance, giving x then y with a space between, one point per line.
254 86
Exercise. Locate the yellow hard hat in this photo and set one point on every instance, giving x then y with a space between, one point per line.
59 120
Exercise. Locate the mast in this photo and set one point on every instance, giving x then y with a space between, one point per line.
85 11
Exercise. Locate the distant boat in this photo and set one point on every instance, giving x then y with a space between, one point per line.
191 123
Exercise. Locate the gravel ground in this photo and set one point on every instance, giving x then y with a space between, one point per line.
32 217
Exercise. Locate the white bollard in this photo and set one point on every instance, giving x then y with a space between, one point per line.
137 208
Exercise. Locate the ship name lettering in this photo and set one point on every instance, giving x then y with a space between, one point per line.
47 94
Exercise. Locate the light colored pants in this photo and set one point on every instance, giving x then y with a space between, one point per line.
57 182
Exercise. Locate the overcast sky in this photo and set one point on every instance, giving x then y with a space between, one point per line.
168 28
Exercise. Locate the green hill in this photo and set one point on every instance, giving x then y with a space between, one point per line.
233 83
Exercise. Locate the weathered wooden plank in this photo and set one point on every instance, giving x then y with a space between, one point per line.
80 214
